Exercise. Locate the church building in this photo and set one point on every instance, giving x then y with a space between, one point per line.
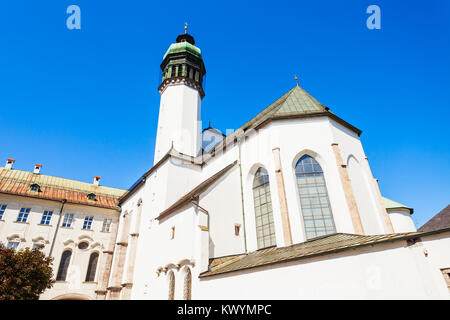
284 207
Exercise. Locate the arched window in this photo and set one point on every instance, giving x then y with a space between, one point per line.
64 265
265 229
187 283
92 267
171 285
316 208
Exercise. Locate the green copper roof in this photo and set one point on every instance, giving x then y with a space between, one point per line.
389 204
183 46
295 102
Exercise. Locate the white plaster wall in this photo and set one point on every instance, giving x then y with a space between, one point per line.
401 220
223 202
388 271
161 251
367 197
438 257
367 208
67 238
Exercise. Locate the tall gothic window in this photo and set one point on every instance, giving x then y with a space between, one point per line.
265 229
187 283
171 285
316 208
64 265
92 267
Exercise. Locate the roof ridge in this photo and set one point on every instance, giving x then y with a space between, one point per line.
277 103
35 177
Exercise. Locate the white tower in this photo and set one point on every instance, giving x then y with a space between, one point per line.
179 123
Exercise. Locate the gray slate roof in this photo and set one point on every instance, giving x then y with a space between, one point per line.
439 221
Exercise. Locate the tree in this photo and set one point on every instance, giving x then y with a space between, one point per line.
24 274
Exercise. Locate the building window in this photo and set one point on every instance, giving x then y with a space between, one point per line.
92 267
63 266
106 225
171 285
83 245
23 215
316 209
35 187
446 274
237 229
187 283
172 233
265 229
13 245
68 219
46 217
38 246
2 210
87 223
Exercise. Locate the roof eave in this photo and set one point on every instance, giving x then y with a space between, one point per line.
310 115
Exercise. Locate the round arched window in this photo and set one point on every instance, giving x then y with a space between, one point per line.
83 245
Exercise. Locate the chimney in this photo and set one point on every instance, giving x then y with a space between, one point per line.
96 180
37 168
9 163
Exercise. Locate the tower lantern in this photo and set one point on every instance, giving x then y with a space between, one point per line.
183 63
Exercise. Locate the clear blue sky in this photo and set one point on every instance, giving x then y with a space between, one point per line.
85 102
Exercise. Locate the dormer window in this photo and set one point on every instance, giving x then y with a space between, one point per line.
92 196
35 187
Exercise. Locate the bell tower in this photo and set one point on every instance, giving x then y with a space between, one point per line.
179 122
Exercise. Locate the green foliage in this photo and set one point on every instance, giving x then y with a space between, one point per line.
24 274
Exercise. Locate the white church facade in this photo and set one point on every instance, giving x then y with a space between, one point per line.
285 207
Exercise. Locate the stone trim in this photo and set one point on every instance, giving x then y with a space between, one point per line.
387 219
348 191
282 198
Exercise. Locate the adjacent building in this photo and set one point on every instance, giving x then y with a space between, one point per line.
73 222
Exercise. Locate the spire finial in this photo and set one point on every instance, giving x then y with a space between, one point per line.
296 79
185 27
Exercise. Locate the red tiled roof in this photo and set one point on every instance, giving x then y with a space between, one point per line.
17 182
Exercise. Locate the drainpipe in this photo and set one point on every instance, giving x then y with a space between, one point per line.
242 195
57 226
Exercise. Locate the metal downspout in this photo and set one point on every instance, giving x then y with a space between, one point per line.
242 196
